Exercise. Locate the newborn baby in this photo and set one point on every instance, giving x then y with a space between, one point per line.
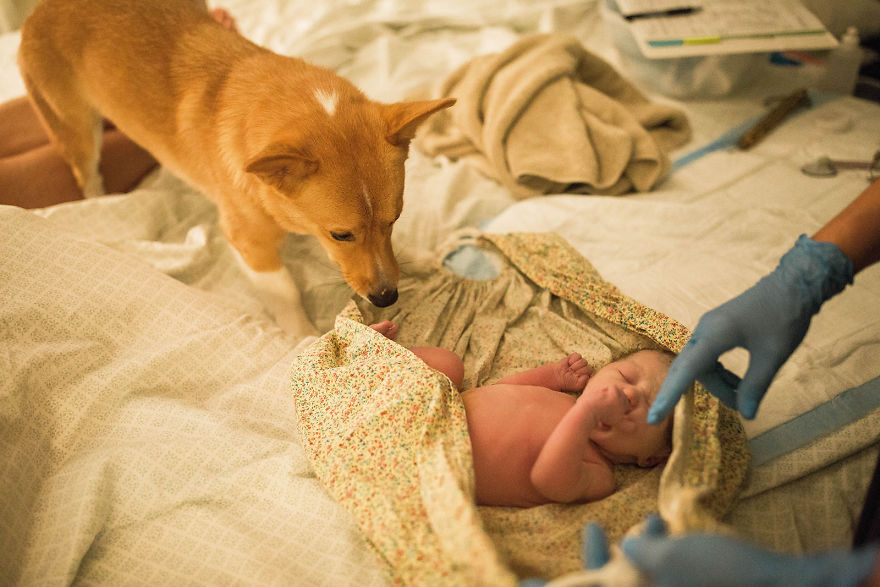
533 443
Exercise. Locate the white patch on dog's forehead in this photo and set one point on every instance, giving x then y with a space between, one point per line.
367 198
327 100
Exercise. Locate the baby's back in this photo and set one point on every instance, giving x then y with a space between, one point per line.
508 425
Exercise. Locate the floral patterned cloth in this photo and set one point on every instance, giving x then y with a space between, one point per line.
387 435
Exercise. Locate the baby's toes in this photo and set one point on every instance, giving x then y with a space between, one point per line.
386 328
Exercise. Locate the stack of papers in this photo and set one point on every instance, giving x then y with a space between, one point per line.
681 28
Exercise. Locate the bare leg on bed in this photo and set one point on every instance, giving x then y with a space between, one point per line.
37 176
438 358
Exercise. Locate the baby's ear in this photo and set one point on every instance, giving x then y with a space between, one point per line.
653 461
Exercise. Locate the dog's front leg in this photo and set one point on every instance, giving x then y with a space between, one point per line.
281 296
257 245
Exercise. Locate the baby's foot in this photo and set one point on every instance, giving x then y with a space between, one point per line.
222 16
386 328
573 372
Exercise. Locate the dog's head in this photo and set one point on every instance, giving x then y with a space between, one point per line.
340 176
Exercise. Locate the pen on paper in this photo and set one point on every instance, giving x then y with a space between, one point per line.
663 13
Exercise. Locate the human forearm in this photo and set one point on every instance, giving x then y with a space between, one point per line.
544 376
771 318
856 229
564 470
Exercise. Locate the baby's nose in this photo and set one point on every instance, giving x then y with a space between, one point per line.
631 400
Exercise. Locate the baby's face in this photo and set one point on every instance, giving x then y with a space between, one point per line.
627 388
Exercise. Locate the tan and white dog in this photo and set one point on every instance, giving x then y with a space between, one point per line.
278 144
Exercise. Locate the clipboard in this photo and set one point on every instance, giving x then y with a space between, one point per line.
721 27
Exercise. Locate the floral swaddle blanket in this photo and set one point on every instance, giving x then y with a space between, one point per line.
387 435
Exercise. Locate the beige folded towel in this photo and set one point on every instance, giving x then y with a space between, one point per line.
547 116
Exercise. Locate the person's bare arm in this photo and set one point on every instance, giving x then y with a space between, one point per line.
568 467
771 318
856 229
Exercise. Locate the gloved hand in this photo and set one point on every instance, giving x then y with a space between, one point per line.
709 559
594 548
769 320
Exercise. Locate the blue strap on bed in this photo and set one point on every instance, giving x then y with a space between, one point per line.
730 138
845 408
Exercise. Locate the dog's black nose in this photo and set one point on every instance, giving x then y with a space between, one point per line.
386 297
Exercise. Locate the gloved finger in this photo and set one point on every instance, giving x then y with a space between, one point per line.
722 384
696 358
654 526
647 553
595 547
761 371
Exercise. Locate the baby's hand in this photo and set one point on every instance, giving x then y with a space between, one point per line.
606 405
573 372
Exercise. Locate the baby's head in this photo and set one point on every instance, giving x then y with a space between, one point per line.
627 438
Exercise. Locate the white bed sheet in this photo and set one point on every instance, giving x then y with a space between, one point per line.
708 232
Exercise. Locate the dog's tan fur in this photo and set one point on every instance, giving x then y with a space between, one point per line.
279 145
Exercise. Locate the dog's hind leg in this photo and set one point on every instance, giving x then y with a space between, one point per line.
75 128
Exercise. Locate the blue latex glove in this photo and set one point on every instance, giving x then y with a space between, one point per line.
718 561
594 553
769 320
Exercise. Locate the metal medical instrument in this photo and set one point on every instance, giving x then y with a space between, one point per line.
827 167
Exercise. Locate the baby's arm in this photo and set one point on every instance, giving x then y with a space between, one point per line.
569 468
570 373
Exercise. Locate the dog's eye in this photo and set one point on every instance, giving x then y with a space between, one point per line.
342 236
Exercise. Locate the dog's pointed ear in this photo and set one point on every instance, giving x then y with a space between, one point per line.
404 118
282 166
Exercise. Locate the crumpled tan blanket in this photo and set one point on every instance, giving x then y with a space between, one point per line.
548 116
387 435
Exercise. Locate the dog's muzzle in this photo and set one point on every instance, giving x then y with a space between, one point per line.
386 297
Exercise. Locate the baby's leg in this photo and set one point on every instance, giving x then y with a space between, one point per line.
570 373
436 357
442 360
